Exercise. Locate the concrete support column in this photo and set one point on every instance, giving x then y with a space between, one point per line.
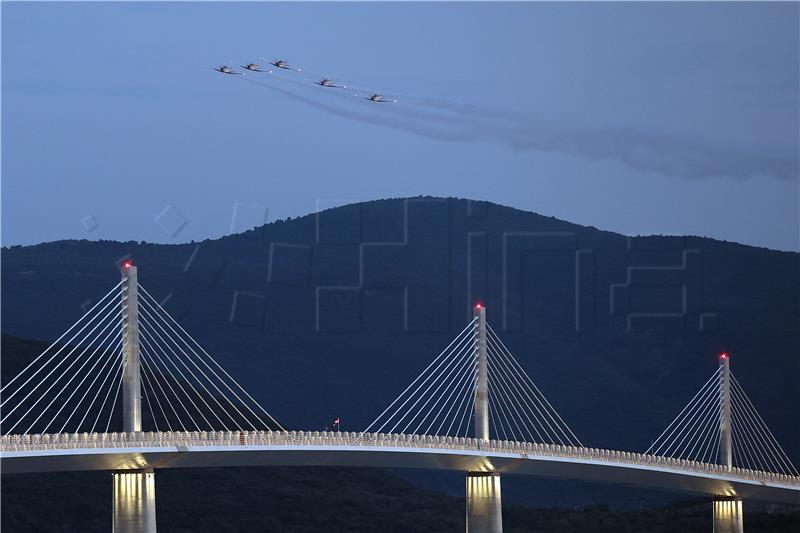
481 376
484 506
134 492
134 502
728 517
131 384
725 442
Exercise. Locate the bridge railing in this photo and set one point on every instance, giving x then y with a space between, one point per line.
143 440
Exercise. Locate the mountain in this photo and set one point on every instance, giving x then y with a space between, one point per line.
334 313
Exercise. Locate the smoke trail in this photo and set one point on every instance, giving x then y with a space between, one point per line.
365 117
649 151
450 121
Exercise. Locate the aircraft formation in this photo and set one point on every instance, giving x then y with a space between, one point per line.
282 64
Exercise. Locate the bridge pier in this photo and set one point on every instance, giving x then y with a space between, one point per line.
728 517
484 506
134 502
134 492
727 510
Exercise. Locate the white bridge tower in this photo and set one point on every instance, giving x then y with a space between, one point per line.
134 491
727 510
484 506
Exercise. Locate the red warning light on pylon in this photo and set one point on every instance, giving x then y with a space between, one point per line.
478 305
723 355
127 263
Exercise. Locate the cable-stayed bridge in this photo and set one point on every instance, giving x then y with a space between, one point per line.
127 389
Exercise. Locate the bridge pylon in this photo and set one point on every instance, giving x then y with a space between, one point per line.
484 504
134 493
131 376
481 376
725 422
728 517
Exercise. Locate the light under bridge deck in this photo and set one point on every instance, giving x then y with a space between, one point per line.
144 450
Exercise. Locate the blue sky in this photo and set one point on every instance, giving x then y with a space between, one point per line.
638 118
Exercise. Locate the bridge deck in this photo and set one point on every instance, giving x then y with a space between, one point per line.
125 451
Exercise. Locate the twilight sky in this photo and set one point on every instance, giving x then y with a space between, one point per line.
677 118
